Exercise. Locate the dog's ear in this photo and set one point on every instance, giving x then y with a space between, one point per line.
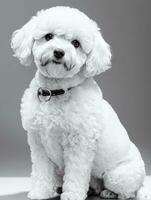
22 42
99 59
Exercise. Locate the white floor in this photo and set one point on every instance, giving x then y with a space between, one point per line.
16 189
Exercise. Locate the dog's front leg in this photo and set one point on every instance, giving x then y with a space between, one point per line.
78 160
44 180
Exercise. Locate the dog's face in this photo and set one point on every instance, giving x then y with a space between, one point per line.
58 52
62 41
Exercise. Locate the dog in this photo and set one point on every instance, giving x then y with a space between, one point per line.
75 137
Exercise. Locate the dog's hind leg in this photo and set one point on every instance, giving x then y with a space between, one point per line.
125 179
44 180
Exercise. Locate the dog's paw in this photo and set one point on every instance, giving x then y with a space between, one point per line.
70 196
106 194
40 194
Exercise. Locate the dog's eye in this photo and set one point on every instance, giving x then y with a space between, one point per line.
48 36
75 43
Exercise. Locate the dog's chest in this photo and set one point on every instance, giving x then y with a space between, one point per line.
62 120
52 120
49 121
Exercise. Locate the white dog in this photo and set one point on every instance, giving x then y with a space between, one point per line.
75 136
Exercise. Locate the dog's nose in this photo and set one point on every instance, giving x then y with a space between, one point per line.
58 53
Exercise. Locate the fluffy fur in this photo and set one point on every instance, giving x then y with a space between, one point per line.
75 138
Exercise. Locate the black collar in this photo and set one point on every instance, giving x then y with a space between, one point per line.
44 94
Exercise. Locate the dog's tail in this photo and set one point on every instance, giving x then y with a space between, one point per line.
10 186
144 193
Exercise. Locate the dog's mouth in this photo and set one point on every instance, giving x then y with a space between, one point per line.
43 64
67 68
56 62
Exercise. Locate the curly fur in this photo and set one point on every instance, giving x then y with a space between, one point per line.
76 137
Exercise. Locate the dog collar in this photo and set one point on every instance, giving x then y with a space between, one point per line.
44 94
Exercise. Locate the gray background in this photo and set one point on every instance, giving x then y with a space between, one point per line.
126 26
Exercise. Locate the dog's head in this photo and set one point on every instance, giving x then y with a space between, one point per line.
62 41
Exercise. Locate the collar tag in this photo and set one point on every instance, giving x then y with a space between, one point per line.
44 94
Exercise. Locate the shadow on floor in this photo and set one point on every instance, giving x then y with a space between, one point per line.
23 196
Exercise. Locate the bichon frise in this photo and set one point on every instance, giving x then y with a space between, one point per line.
76 138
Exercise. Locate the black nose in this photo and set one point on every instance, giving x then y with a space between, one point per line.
58 53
